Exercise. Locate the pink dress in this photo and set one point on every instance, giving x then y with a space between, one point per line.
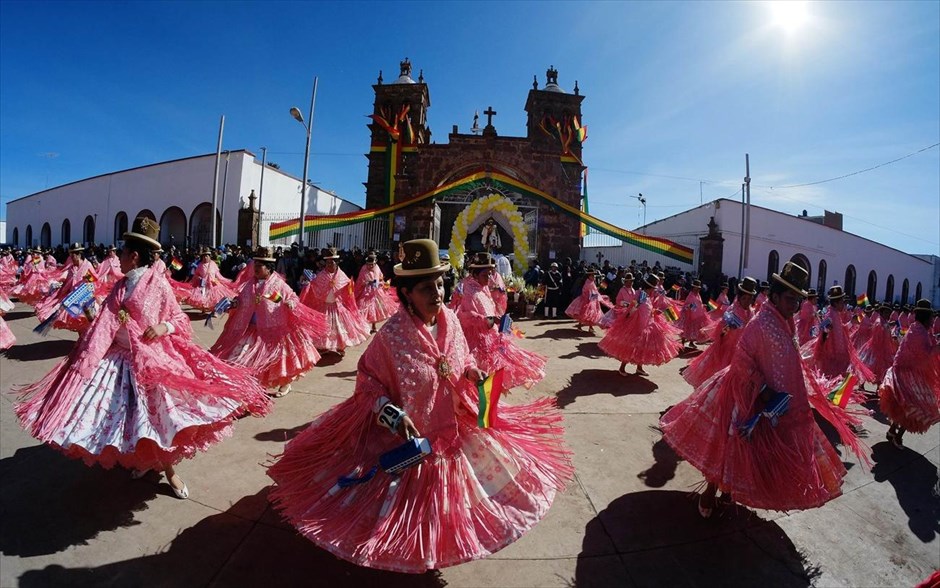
75 276
725 335
790 466
7 339
491 349
642 335
120 399
624 301
693 322
910 394
498 293
33 284
456 297
270 333
374 301
723 302
332 295
832 354
878 349
8 269
109 272
807 322
586 308
207 287
480 490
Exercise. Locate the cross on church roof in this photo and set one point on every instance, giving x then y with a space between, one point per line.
489 112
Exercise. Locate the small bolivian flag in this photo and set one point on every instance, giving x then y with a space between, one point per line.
489 391
176 264
862 299
841 394
274 297
90 277
670 313
676 287
712 305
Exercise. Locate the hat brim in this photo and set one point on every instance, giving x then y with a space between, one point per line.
330 257
270 259
743 291
780 280
80 249
425 271
143 238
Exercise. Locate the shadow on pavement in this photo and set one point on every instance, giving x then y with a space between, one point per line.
664 468
328 358
17 315
586 349
662 541
914 478
50 502
588 382
46 349
559 334
349 374
876 413
281 435
228 550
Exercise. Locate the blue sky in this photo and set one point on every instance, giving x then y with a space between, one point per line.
676 94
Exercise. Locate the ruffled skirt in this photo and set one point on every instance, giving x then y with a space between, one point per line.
109 418
34 289
694 325
632 340
494 351
475 494
910 396
343 329
274 362
7 339
206 297
585 311
376 304
790 466
877 352
714 359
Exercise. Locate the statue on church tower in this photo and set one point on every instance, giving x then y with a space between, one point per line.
489 236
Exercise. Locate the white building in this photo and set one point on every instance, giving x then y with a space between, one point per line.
178 194
831 255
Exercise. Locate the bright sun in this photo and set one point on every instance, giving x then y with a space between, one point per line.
790 15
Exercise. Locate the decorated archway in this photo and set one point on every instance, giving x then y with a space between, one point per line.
503 211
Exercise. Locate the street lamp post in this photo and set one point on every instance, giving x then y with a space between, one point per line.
308 125
643 202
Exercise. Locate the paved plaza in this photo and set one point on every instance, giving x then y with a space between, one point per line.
627 519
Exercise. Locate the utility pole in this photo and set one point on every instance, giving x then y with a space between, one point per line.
747 185
264 156
215 183
741 256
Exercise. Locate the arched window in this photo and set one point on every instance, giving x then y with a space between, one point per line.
88 232
173 227
120 226
773 263
872 286
200 225
45 235
800 260
29 235
66 232
16 239
849 284
905 291
821 280
889 288
918 291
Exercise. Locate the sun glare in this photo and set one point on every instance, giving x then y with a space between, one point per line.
789 15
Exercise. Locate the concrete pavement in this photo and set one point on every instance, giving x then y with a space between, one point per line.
627 519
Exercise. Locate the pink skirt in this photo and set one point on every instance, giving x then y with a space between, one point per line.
206 297
877 352
343 329
479 491
714 359
631 340
910 396
494 351
376 304
586 312
7 339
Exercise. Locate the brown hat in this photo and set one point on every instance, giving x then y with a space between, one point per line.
696 283
811 293
331 253
835 293
481 260
628 277
421 258
264 254
748 286
651 280
76 247
146 230
204 251
794 277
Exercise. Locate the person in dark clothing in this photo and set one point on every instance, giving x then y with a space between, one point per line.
554 286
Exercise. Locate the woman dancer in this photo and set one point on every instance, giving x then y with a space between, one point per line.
207 286
910 394
879 347
374 301
268 331
331 293
693 321
725 335
642 335
137 391
586 308
34 283
493 349
478 491
79 272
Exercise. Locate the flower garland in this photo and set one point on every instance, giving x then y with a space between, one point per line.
492 204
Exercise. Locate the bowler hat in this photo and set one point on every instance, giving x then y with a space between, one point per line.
146 230
836 293
264 254
748 286
76 247
421 258
651 280
481 260
331 253
794 277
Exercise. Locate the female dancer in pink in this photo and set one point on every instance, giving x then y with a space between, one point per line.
722 302
34 283
79 272
137 391
831 352
586 308
331 293
879 347
807 319
109 272
498 293
910 394
779 462
493 349
207 286
374 301
693 322
268 331
7 339
483 485
724 336
642 335
624 301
